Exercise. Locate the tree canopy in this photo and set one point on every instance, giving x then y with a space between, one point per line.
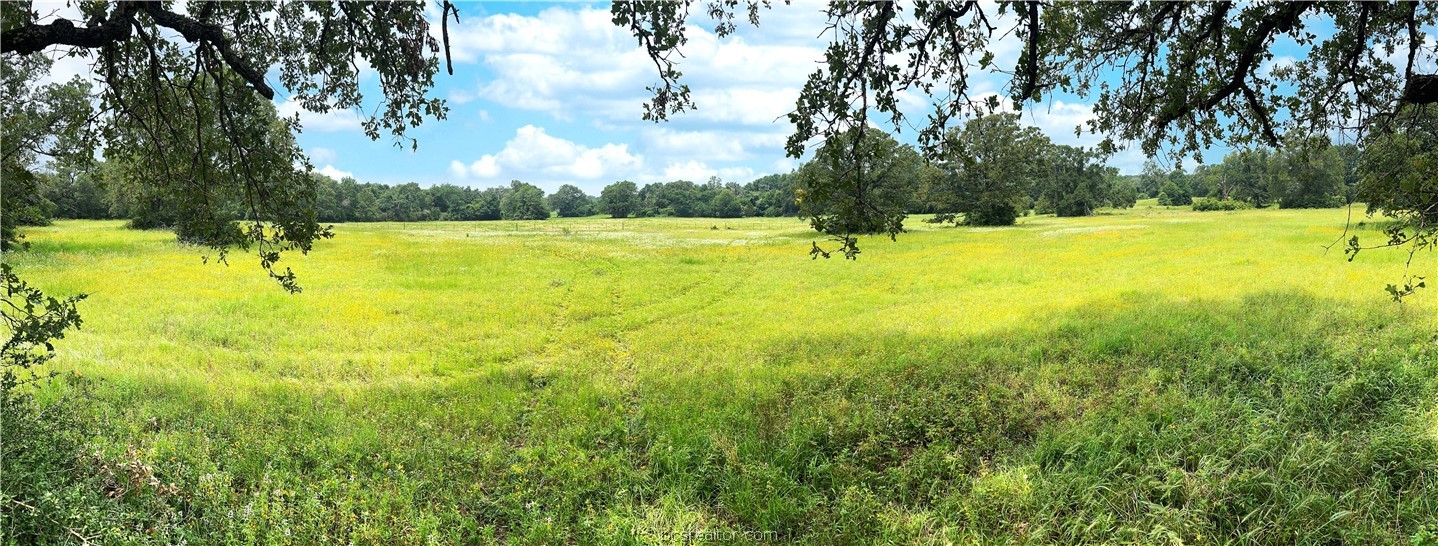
1175 76
183 97
186 111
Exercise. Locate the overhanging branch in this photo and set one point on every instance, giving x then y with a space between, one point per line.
118 28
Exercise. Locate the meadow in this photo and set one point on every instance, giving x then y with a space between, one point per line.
1146 376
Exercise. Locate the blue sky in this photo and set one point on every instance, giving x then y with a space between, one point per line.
551 93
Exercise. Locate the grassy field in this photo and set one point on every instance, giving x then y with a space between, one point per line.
1148 376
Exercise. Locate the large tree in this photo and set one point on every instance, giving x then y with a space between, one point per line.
1249 174
859 182
569 201
1076 184
523 201
185 105
1310 175
37 122
1175 76
619 199
988 168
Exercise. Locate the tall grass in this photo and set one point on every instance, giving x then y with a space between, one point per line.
1153 377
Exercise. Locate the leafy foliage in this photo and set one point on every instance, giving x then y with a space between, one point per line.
619 199
988 167
1398 176
859 183
188 117
1174 194
570 201
1211 204
36 122
523 202
1311 175
1077 183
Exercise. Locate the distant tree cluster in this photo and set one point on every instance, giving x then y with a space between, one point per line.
99 190
1311 173
990 172
771 195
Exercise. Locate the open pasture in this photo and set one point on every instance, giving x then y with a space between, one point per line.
1146 376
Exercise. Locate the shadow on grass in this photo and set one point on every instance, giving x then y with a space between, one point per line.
1277 418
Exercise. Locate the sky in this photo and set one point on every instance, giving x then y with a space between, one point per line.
552 94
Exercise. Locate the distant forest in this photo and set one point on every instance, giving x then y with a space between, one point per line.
1259 177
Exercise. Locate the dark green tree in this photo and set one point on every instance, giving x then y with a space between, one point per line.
485 206
405 203
1310 175
448 199
860 182
1249 174
569 201
989 167
523 202
1174 194
37 123
620 199
725 205
1076 184
1151 180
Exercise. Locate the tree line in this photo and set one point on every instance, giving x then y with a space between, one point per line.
98 190
1311 173
989 172
992 171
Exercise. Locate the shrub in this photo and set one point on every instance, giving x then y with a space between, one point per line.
1209 204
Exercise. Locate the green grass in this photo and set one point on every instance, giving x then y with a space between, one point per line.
1151 376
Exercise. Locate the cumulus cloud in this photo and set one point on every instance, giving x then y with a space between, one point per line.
337 119
535 155
571 62
712 145
322 155
332 172
694 171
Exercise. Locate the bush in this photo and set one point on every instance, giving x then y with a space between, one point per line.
1208 204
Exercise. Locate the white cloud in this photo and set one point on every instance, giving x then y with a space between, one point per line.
332 172
1058 119
693 171
783 165
337 119
535 156
711 145
572 62
460 96
322 155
